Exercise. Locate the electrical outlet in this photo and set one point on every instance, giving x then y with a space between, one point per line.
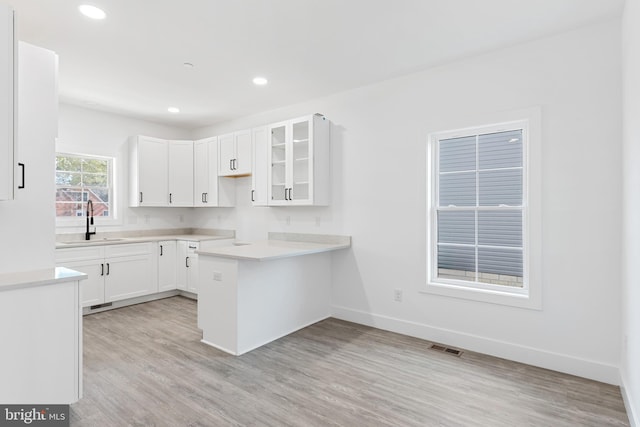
217 276
288 220
317 221
147 219
397 295
181 218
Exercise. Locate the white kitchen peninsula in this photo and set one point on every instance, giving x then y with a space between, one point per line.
41 335
251 294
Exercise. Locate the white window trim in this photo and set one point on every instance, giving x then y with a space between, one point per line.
74 221
530 295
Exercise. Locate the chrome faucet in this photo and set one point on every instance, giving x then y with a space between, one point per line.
87 235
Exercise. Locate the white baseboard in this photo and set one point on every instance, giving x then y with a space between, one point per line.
531 356
632 412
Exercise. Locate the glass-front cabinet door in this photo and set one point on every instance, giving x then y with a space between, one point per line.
296 147
278 186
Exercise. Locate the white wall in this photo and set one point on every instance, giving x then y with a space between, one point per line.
87 131
630 368
379 147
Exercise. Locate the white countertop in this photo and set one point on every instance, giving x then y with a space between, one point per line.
141 239
28 279
264 250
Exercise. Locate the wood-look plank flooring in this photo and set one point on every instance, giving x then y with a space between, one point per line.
144 365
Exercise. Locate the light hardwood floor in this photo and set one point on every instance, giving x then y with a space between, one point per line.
145 366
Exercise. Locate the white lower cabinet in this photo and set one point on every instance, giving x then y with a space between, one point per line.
167 267
187 266
116 272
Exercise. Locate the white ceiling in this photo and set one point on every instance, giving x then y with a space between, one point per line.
132 62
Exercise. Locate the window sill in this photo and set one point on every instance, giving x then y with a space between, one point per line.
528 301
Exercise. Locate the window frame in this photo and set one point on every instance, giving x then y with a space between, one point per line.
75 221
529 295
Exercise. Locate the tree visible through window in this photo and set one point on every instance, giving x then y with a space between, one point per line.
80 179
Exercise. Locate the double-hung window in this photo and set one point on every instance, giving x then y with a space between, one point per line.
80 178
478 209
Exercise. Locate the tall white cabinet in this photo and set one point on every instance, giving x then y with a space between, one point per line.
7 103
30 216
299 153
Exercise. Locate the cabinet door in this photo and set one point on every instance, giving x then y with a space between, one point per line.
300 162
181 265
166 265
260 171
153 164
242 164
91 289
180 173
192 267
278 153
128 277
201 171
7 103
226 154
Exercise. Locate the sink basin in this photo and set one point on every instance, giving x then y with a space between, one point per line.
241 243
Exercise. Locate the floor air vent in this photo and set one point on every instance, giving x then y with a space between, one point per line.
443 349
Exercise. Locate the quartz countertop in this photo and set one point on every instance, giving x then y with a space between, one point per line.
49 276
280 245
127 238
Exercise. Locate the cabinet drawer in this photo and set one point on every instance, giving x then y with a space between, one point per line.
79 254
127 250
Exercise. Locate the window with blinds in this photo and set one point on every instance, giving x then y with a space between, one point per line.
478 208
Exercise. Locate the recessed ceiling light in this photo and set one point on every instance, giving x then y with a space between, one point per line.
92 11
260 81
173 110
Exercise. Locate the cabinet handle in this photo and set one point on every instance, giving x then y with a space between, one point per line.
252 195
235 164
21 165
170 198
161 250
108 269
186 262
206 197
141 197
102 269
202 198
291 193
231 164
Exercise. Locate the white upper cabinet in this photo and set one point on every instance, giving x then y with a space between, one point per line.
234 154
210 190
260 172
180 173
299 152
7 103
148 172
